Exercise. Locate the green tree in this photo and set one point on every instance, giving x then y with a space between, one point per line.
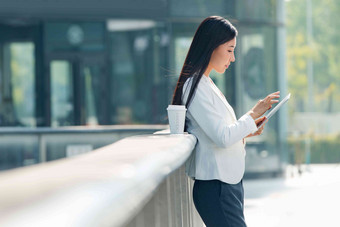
324 51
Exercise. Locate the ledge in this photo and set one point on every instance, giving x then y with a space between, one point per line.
87 189
81 129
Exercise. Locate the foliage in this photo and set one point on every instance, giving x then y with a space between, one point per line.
323 149
323 51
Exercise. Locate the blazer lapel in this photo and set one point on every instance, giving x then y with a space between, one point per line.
222 97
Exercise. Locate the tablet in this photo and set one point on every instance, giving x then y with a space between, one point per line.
275 109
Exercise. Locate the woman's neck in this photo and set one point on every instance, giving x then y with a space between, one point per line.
207 71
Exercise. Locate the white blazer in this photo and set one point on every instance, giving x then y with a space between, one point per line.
220 151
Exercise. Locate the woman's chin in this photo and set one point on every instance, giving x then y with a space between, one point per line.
221 71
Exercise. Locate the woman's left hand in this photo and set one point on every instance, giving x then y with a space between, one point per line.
260 130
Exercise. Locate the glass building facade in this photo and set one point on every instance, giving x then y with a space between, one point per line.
118 62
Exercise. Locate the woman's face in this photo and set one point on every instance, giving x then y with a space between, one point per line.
222 56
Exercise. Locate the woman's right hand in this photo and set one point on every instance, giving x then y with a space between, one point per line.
263 105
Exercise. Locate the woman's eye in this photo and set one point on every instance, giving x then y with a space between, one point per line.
230 51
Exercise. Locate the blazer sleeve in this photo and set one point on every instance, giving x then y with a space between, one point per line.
213 123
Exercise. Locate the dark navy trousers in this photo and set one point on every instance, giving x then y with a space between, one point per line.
219 204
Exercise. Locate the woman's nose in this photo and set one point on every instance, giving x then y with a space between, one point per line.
232 58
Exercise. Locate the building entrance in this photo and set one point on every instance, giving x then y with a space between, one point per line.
78 90
17 74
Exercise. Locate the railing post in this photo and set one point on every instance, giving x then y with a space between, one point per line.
42 148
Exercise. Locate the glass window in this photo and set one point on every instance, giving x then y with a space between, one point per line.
62 109
199 8
259 10
135 56
256 74
182 45
94 89
91 113
18 87
124 72
75 36
256 48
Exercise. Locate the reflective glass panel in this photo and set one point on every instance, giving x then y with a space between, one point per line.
93 81
62 109
18 88
256 10
256 75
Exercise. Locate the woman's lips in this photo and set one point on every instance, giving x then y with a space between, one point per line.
226 66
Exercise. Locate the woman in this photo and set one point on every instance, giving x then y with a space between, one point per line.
217 163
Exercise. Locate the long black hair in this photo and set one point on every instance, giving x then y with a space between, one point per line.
212 32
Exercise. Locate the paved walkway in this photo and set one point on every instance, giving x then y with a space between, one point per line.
309 200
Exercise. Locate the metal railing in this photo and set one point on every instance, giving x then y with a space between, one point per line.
26 146
137 181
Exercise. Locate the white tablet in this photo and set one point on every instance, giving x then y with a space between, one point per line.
275 109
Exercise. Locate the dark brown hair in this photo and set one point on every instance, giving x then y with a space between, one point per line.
212 32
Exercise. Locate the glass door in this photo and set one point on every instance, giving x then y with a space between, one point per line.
78 91
17 76
62 93
93 91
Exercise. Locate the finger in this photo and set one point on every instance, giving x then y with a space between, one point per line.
262 127
263 119
260 119
258 123
275 93
271 100
272 97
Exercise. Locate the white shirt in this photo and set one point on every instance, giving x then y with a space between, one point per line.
219 152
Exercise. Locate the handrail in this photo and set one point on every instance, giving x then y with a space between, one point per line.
102 188
80 129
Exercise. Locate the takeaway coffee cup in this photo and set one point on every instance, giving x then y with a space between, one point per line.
176 115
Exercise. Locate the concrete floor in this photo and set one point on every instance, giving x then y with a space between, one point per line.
311 199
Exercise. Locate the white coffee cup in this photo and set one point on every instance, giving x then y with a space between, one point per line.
176 115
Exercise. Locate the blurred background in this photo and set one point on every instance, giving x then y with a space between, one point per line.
71 70
312 73
117 63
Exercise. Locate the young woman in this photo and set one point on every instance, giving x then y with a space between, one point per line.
217 163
